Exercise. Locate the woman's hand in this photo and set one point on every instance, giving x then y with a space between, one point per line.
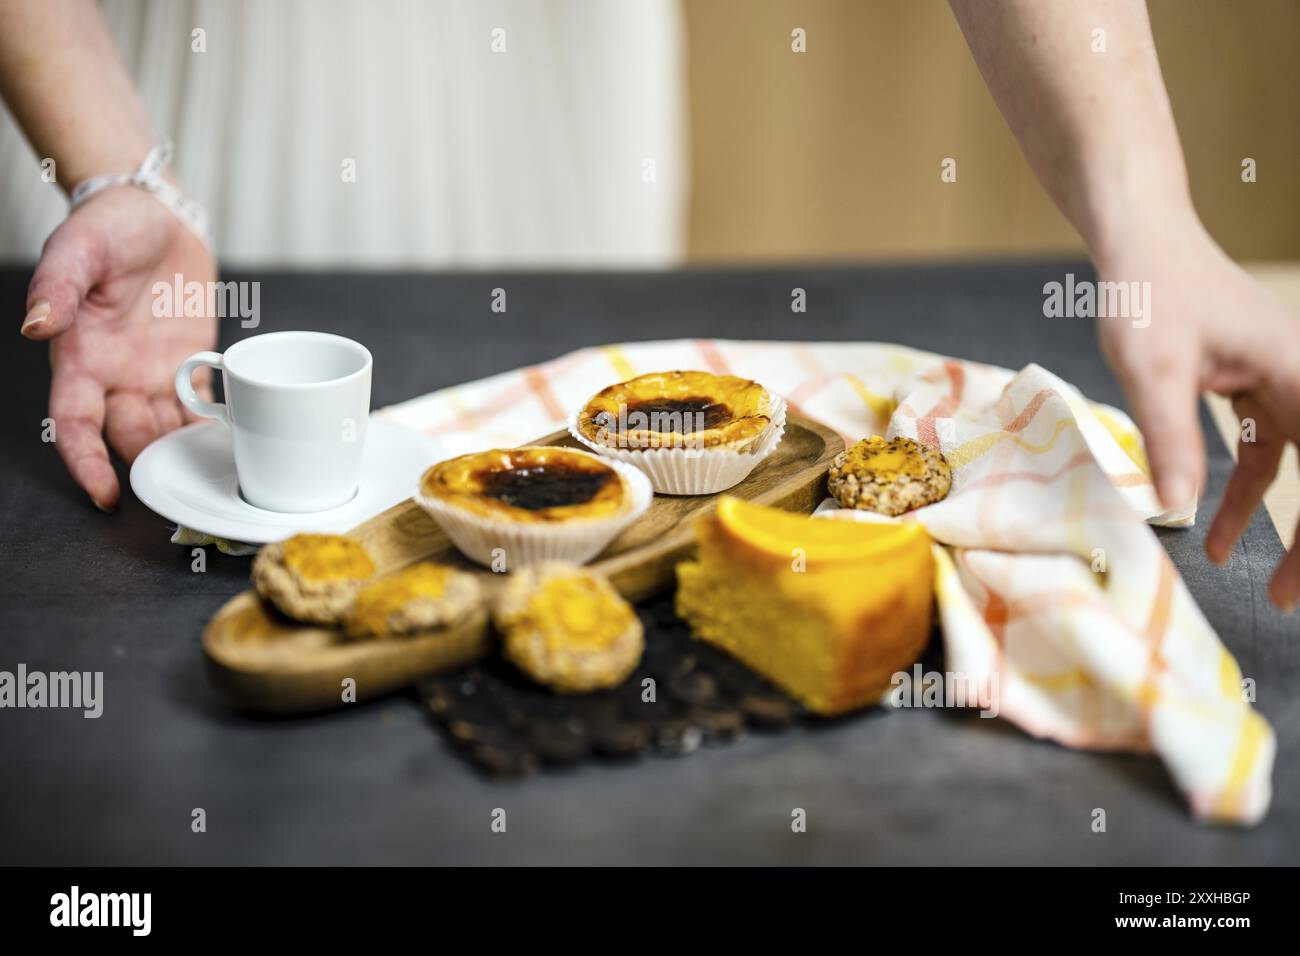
1100 134
113 361
1212 328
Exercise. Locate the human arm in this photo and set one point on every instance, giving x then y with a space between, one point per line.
1098 131
90 296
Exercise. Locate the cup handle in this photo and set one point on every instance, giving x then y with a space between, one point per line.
190 398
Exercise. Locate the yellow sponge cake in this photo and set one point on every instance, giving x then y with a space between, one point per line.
826 609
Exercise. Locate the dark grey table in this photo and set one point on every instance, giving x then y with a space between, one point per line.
375 784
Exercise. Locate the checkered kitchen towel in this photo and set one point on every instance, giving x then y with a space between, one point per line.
1048 575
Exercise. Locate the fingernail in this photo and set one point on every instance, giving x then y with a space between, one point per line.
38 313
1178 494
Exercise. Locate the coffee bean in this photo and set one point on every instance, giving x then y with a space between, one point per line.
693 687
659 658
465 732
659 614
735 676
769 711
515 717
505 761
684 665
437 700
720 726
558 741
509 726
678 736
624 738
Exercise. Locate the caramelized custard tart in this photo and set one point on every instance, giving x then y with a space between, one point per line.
677 409
510 508
536 484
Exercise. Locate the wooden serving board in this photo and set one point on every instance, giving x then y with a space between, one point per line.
264 661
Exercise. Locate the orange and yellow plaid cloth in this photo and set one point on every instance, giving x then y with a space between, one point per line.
1049 577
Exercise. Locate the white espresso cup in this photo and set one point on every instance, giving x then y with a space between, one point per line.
296 406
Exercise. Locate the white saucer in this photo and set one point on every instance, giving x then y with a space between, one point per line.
188 477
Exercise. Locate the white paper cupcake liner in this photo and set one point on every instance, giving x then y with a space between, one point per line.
491 540
690 471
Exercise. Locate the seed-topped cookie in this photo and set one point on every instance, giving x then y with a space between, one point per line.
312 577
420 598
568 628
891 476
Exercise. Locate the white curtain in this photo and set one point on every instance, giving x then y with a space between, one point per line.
567 148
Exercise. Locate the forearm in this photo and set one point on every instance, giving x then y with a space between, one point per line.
1095 126
67 87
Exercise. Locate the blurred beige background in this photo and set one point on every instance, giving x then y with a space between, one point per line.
760 153
835 153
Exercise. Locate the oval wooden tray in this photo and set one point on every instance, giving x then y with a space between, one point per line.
266 662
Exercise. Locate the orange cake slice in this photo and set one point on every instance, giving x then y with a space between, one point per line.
828 610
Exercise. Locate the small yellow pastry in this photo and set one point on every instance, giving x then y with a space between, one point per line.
568 628
312 577
675 409
890 476
828 610
420 598
530 485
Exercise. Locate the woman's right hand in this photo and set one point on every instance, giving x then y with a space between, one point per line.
113 361
1209 327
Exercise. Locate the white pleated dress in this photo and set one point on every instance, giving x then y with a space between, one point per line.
405 133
